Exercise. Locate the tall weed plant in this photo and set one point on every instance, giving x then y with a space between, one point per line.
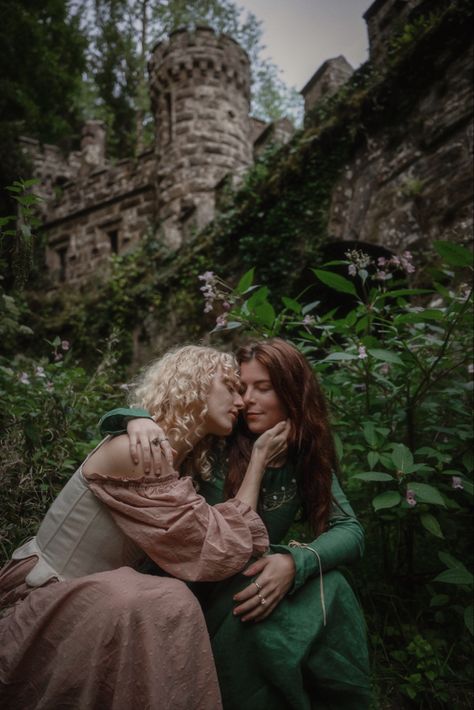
396 364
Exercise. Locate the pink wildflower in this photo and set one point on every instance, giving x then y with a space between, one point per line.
65 344
456 483
207 276
39 371
221 321
410 497
24 378
352 269
362 352
309 320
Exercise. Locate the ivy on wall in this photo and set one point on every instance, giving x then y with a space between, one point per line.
276 220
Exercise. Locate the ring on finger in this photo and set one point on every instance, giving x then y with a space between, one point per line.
263 601
157 442
259 586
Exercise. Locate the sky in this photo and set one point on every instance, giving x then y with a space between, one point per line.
301 34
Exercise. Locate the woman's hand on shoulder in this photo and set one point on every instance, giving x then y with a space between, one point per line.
148 441
272 444
274 577
113 461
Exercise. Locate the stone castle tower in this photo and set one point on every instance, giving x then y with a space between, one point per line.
204 137
200 92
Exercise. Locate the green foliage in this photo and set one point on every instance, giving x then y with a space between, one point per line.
50 408
41 66
397 369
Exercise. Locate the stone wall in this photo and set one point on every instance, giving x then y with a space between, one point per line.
384 17
412 182
200 90
99 214
330 76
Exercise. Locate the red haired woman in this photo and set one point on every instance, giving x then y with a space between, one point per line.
310 650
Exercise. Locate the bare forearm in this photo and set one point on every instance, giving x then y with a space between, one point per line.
250 487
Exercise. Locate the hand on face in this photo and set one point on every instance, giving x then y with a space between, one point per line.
272 444
263 407
274 577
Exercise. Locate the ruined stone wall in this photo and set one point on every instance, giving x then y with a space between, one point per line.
99 214
384 17
330 76
412 183
200 90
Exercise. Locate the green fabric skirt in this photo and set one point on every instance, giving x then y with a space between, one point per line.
292 660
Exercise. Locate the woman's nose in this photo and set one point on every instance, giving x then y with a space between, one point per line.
247 397
239 402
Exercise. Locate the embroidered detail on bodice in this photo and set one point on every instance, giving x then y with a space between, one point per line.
276 497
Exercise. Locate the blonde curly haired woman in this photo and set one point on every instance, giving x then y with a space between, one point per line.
82 627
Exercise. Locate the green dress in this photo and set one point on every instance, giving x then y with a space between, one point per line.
311 652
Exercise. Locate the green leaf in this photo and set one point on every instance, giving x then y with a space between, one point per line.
310 307
334 357
469 618
454 254
386 500
292 304
427 494
439 600
246 281
369 433
402 457
339 446
231 325
430 523
265 313
455 576
335 281
450 561
385 355
374 476
258 297
373 458
468 460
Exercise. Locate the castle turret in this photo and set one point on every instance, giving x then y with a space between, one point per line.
200 90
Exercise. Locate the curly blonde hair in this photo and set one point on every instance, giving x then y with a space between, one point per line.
174 390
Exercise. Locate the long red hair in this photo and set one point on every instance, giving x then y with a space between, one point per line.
310 443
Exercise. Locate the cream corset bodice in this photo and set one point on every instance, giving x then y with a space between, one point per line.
77 536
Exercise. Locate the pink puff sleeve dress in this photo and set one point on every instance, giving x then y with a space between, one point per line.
81 628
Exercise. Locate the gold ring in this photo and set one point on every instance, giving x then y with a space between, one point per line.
259 586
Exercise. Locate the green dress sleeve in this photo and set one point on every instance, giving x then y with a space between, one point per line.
341 544
115 421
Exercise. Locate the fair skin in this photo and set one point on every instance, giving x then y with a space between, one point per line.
223 404
263 410
274 574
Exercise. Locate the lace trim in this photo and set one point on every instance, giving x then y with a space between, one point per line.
295 543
